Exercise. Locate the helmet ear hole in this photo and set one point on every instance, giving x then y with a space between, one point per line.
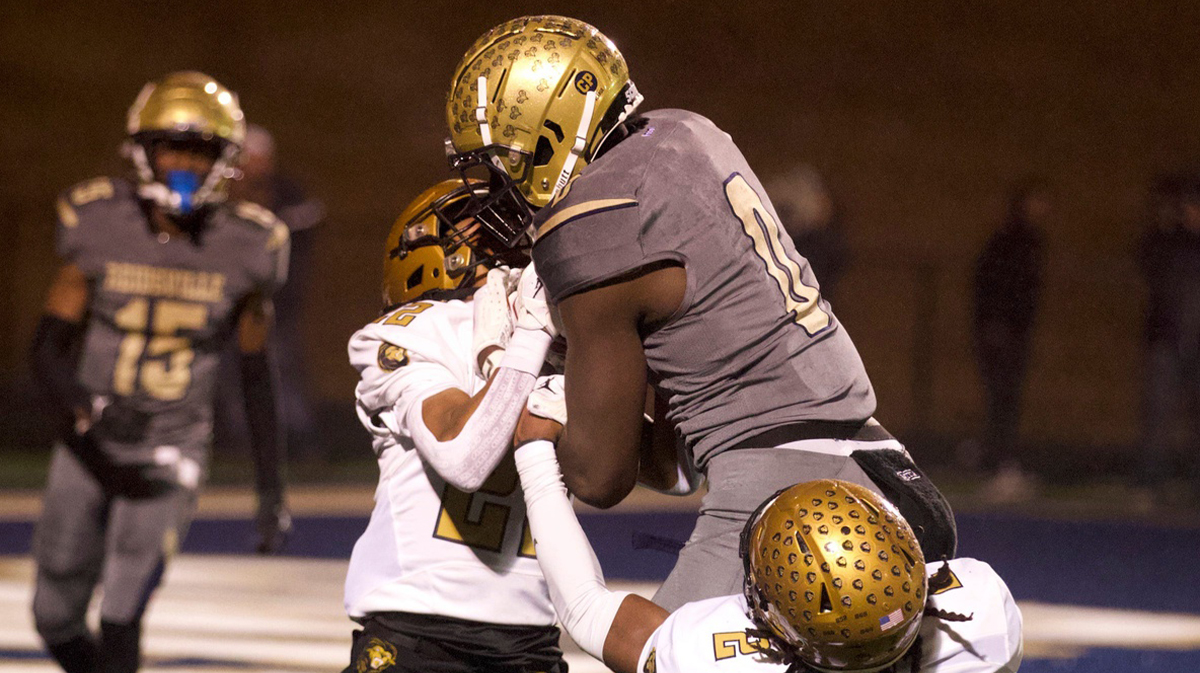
414 278
543 152
826 604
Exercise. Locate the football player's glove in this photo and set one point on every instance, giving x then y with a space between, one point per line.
493 324
273 523
530 103
834 576
435 246
115 419
548 399
531 309
194 109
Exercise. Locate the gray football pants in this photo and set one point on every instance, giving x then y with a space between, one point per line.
87 538
738 482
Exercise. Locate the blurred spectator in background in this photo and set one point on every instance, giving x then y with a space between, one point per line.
811 218
1169 257
1007 284
261 182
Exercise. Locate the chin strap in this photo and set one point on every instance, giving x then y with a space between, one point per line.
485 131
585 120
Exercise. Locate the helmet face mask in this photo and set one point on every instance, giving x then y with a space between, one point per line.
501 208
437 245
187 112
834 576
546 89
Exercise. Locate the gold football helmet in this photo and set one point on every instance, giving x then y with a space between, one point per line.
834 576
530 103
192 108
436 245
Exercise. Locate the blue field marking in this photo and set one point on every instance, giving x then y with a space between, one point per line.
15 537
1101 564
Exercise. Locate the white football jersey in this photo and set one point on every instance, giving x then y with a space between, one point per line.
429 548
710 635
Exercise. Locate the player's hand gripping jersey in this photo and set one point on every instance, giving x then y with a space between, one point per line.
161 308
711 635
753 345
430 548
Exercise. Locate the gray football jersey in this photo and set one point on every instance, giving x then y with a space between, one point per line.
754 345
163 307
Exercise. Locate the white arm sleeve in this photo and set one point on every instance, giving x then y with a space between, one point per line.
466 461
583 602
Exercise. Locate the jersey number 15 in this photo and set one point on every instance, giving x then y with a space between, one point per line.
161 362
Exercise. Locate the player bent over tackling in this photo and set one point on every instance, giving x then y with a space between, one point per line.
834 581
444 577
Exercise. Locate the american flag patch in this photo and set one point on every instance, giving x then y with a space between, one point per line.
889 620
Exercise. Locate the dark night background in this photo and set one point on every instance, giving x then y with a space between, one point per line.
918 114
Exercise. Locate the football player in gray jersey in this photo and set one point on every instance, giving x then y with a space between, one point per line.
157 276
667 263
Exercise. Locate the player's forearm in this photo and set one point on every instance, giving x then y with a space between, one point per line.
262 419
467 458
53 362
584 603
597 471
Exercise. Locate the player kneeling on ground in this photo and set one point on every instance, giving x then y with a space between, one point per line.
834 581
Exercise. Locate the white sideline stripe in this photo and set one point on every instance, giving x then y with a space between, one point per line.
1106 627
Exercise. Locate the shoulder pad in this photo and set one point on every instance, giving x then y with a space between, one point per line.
252 212
84 194
405 314
400 336
91 190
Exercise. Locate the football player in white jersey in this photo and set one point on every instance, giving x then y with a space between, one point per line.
444 577
834 581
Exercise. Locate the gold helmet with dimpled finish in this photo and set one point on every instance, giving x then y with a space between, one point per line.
435 245
530 103
189 107
834 576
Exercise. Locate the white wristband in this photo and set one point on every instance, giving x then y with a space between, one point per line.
526 351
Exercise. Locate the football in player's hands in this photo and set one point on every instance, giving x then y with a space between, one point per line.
274 527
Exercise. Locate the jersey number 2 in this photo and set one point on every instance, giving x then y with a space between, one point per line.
468 518
165 372
798 298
